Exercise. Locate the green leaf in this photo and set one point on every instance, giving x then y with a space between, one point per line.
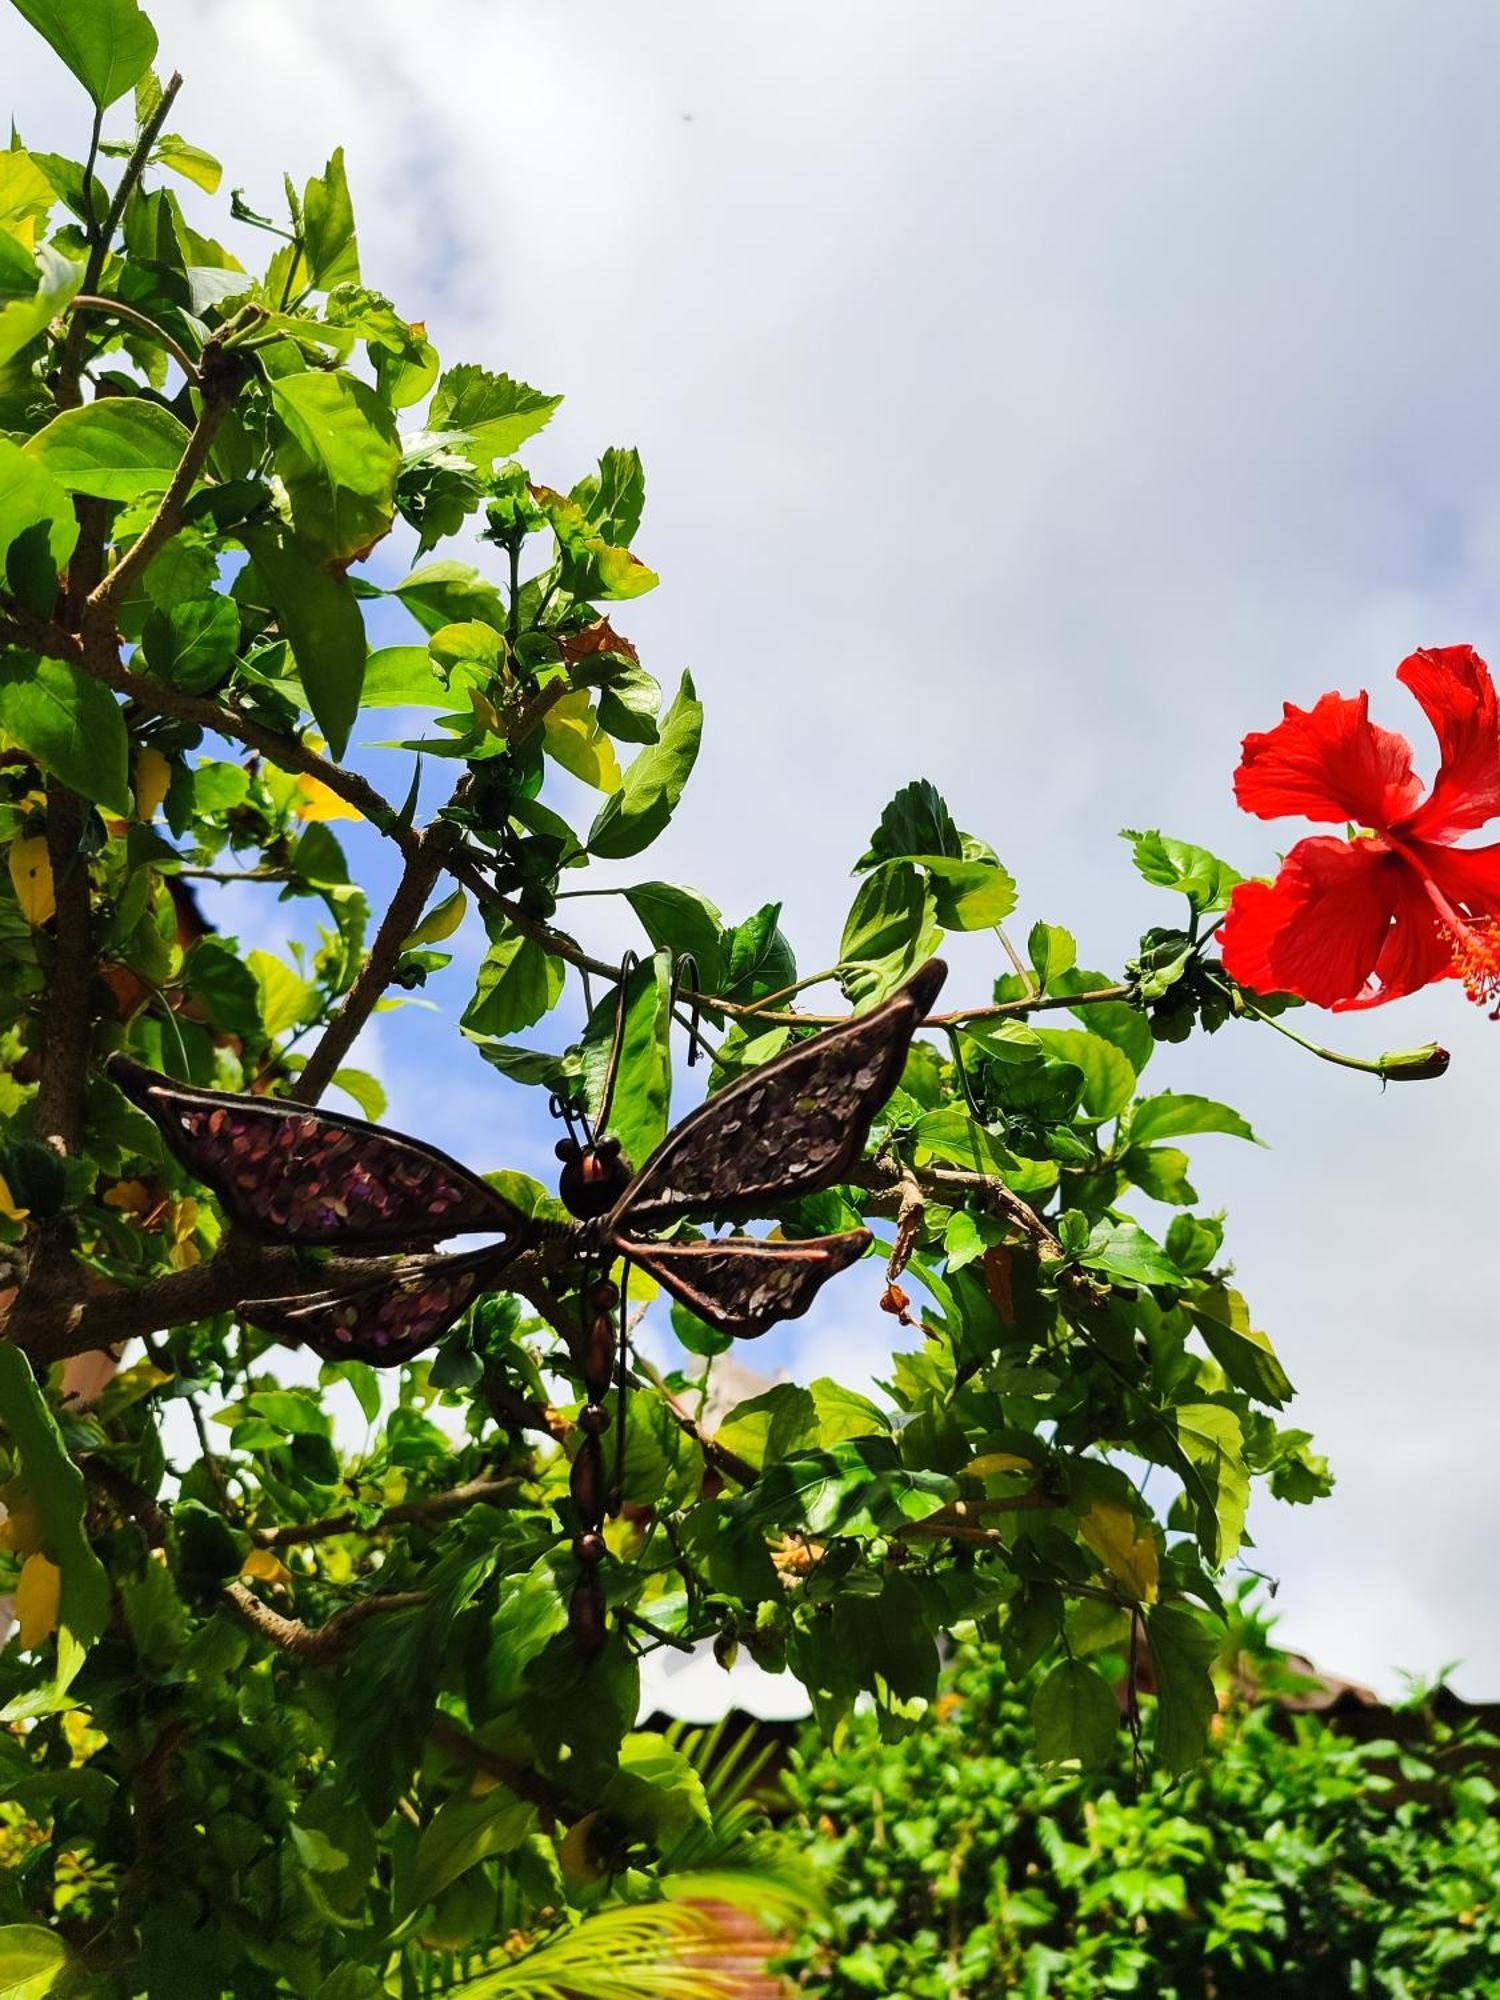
108 44
1174 1114
1182 1651
224 987
631 818
320 616
759 958
1161 1172
969 895
1076 1716
464 1831
201 168
447 593
771 1426
402 677
1052 950
116 449
1123 1250
194 644
1108 1079
30 1960
491 415
22 319
629 704
366 1090
72 725
285 998
1241 1350
518 983
891 929
1203 878
680 920
916 822
620 497
56 1487
1213 1442
30 495
328 245
642 1098
338 458
657 1791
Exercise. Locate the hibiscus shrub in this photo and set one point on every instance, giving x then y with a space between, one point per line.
1292 1862
293 1707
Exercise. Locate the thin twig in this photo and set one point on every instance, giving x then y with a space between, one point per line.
71 364
117 309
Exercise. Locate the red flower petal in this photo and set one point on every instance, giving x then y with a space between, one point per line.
1416 951
1454 687
1468 876
1328 763
1319 928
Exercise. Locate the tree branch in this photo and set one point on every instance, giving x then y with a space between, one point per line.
430 1507
317 1643
525 1783
222 374
65 1016
157 698
740 1470
424 865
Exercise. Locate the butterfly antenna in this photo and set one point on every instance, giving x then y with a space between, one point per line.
617 1491
628 965
686 978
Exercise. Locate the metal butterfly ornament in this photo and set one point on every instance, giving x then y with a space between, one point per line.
294 1174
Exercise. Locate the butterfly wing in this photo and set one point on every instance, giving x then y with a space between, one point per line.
790 1128
406 1308
297 1175
741 1286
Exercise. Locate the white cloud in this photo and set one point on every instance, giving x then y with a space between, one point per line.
1033 399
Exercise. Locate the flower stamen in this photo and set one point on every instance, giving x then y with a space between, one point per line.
1475 948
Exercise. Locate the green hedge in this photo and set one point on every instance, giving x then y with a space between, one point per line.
1293 1862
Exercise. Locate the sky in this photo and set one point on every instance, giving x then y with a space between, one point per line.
1032 399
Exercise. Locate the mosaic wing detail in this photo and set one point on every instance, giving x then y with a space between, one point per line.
398 1314
296 1175
744 1287
791 1128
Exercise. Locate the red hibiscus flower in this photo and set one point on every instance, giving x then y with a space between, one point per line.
1353 923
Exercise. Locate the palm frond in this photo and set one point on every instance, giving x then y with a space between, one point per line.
636 1951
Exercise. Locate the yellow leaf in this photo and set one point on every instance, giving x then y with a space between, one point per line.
131 1196
319 803
1126 1550
572 734
266 1568
991 1462
8 1203
38 1595
153 774
31 872
184 1252
489 718
440 922
20 1530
